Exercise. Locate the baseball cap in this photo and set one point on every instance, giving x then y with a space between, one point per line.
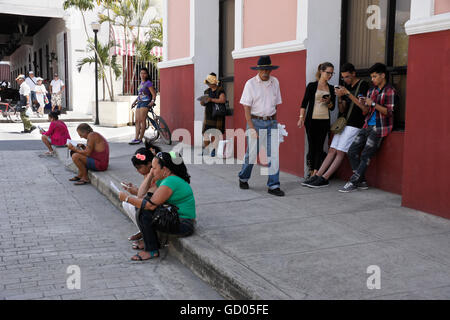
20 76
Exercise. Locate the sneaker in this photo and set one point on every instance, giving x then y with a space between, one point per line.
25 131
276 192
243 185
349 187
363 185
320 182
309 180
135 141
32 128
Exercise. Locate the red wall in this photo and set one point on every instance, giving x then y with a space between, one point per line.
291 75
426 169
385 170
177 97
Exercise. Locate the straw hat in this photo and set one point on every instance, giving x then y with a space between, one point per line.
211 79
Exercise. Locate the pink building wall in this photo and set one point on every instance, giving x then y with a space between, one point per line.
178 29
441 6
268 21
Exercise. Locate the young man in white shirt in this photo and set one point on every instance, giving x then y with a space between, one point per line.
31 81
56 90
260 99
25 101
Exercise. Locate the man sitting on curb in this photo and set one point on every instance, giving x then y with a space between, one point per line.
94 157
379 106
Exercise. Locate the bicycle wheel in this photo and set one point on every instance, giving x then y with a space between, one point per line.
163 129
151 133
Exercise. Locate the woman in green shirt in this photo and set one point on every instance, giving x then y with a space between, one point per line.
172 180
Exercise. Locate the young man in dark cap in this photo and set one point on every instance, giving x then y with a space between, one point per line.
260 99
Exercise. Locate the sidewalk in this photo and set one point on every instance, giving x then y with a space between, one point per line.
311 244
69 116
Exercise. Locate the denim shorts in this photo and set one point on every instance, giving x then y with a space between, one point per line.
90 164
142 104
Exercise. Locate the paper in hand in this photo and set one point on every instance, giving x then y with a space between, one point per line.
114 187
202 98
74 143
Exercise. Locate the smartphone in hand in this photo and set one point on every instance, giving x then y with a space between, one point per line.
325 96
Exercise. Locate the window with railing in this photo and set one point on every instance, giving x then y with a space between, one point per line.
131 74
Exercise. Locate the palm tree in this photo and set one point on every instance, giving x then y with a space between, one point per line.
83 6
106 60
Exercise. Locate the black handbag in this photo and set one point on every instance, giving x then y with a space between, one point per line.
229 110
219 110
165 217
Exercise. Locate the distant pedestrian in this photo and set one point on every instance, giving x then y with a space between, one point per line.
31 81
41 96
56 135
57 89
25 104
94 157
318 101
145 100
260 98
216 95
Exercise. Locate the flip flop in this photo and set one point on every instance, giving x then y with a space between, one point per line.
134 237
153 255
75 179
81 182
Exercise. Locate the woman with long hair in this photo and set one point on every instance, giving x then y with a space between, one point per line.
142 162
317 103
172 181
145 100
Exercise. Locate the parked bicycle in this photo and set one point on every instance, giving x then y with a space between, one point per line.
156 127
10 111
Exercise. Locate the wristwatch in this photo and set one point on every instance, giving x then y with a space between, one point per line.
373 104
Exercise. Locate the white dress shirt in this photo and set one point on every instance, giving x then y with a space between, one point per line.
24 89
262 96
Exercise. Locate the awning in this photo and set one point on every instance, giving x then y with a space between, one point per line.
122 47
157 52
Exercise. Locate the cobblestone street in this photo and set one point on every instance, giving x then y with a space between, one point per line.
47 224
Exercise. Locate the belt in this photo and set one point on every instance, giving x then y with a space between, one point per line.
265 118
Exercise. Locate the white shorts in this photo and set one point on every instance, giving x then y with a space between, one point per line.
342 141
131 211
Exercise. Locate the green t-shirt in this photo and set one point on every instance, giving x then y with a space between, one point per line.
182 196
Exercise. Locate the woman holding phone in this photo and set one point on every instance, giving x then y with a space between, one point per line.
317 103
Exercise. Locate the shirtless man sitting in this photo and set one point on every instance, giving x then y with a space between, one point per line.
94 157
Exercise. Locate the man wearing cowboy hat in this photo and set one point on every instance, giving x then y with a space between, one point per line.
24 102
260 99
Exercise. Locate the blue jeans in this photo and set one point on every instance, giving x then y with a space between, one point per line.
264 129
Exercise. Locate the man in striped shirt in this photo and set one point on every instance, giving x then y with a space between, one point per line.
379 107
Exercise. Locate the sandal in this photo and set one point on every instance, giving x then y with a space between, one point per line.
75 179
135 237
81 182
153 254
136 245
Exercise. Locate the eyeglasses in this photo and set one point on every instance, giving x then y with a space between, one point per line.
330 73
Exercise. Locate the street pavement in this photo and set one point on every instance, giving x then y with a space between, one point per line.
47 225
311 244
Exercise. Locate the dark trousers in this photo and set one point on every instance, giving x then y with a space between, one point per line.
367 141
151 241
316 132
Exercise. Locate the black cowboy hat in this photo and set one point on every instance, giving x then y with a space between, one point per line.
264 63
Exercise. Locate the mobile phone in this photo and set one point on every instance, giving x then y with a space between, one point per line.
325 96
